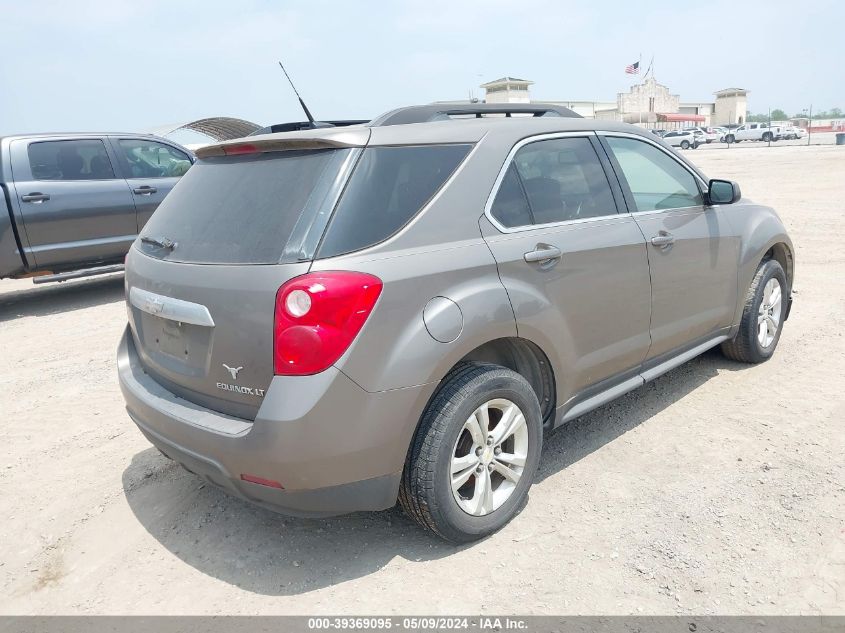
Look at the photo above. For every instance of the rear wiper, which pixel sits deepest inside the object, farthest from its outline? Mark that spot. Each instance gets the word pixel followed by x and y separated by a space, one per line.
pixel 161 242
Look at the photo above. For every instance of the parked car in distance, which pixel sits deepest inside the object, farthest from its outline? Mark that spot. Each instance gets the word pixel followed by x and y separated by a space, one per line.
pixel 754 132
pixel 329 320
pixel 707 133
pixel 700 137
pixel 720 132
pixel 683 139
pixel 792 132
pixel 72 204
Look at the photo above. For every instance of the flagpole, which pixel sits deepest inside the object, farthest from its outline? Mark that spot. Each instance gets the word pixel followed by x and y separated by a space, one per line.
pixel 640 65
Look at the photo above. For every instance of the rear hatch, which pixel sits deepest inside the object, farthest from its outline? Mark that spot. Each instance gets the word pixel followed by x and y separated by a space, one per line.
pixel 202 277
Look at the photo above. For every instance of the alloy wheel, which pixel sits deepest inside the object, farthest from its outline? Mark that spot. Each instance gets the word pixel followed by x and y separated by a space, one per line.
pixel 489 457
pixel 768 317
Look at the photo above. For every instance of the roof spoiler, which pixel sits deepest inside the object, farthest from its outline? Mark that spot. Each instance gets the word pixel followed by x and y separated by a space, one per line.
pixel 330 138
pixel 447 111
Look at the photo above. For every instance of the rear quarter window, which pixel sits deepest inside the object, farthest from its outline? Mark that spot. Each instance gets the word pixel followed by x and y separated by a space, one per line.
pixel 389 186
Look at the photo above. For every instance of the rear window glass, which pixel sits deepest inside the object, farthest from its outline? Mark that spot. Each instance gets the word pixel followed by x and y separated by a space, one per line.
pixel 387 189
pixel 253 209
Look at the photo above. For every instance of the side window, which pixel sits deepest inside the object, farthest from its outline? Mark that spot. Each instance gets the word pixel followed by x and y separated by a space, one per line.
pixel 389 186
pixel 510 208
pixel 562 180
pixel 657 181
pixel 148 159
pixel 70 160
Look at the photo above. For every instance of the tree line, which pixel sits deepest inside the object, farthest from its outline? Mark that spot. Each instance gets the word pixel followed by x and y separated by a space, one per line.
pixel 780 115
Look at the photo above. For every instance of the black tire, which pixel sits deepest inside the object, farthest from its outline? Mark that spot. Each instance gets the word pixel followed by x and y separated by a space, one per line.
pixel 745 347
pixel 425 493
pixel 767 137
pixel 730 138
pixel 684 144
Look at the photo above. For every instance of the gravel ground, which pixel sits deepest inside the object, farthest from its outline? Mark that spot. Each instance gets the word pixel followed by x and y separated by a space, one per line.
pixel 718 488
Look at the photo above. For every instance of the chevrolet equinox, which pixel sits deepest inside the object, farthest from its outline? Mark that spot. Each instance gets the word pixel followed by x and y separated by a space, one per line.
pixel 329 320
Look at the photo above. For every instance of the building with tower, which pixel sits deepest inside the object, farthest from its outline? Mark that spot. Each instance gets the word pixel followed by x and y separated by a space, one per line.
pixel 649 103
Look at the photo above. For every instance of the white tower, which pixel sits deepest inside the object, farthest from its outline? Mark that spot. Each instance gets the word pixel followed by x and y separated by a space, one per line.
pixel 507 90
pixel 731 106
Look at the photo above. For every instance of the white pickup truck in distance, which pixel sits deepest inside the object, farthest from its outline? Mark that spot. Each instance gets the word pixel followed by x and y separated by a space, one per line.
pixel 754 132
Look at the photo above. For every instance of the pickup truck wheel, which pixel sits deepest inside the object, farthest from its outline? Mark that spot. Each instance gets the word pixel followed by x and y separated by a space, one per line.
pixel 762 316
pixel 767 137
pixel 475 453
pixel 684 144
pixel 729 139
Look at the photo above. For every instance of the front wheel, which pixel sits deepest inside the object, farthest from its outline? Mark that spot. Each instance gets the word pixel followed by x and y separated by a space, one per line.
pixel 684 144
pixel 762 317
pixel 767 137
pixel 475 453
pixel 730 138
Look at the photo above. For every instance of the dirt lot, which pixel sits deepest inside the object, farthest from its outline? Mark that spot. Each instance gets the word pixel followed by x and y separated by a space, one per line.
pixel 719 488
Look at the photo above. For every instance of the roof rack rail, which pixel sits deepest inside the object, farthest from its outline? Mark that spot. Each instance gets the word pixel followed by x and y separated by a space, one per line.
pixel 295 126
pixel 446 111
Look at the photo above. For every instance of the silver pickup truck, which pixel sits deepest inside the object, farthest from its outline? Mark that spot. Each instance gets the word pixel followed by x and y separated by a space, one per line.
pixel 72 204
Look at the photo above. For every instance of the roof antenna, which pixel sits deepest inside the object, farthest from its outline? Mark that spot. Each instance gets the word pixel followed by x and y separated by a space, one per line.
pixel 301 102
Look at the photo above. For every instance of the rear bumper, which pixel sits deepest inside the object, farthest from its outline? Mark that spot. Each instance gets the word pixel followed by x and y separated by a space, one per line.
pixel 334 447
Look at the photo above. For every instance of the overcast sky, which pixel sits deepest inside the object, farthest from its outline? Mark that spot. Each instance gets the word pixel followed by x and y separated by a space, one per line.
pixel 132 66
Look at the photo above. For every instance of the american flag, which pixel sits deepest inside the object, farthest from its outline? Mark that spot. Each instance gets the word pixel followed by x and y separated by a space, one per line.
pixel 633 69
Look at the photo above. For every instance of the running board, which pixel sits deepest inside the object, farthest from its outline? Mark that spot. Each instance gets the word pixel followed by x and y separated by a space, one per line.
pixel 604 397
pixel 585 406
pixel 78 274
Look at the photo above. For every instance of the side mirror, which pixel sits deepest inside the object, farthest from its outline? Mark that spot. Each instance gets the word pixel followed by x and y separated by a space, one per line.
pixel 723 192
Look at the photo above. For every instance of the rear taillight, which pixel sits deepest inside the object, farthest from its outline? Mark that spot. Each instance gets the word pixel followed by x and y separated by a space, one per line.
pixel 318 315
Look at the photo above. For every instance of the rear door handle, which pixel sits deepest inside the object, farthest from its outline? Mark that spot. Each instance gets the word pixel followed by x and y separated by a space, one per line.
pixel 544 254
pixel 35 196
pixel 145 190
pixel 663 239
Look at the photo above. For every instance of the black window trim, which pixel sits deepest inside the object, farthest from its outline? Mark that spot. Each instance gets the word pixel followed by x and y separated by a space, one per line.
pixel 612 182
pixel 623 181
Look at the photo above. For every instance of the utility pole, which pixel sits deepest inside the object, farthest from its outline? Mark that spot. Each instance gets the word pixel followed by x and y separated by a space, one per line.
pixel 810 126
pixel 730 122
pixel 770 126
